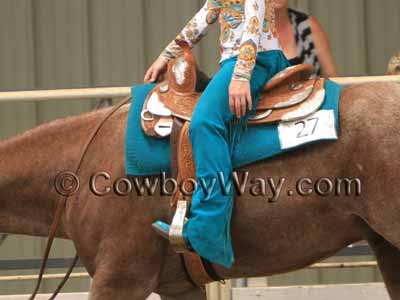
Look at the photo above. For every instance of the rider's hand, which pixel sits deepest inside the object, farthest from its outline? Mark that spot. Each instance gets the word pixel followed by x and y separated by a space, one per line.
pixel 156 71
pixel 239 96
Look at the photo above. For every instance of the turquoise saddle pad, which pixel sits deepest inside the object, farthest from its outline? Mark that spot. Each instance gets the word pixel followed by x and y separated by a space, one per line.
pixel 145 156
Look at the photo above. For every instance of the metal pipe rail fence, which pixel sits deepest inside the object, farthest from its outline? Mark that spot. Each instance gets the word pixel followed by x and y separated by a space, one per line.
pixel 370 291
pixel 116 92
pixel 255 289
pixel 342 265
pixel 238 289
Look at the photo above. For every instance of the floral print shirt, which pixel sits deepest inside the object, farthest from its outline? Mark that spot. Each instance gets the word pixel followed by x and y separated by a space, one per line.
pixel 247 27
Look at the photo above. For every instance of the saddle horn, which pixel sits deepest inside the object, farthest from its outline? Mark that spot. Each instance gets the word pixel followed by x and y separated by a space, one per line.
pixel 182 70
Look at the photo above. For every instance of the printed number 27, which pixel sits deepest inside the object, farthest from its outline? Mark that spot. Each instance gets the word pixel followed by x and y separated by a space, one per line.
pixel 307 127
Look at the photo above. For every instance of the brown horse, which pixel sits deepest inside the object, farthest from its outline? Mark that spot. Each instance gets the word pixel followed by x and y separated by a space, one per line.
pixel 127 260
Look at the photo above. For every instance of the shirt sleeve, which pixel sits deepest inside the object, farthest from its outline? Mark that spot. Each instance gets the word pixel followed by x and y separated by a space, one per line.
pixel 194 30
pixel 254 19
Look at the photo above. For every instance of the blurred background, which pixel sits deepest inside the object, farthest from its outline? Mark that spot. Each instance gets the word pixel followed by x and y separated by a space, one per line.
pixel 51 44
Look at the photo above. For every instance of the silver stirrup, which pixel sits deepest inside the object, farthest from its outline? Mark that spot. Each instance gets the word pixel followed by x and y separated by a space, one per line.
pixel 176 230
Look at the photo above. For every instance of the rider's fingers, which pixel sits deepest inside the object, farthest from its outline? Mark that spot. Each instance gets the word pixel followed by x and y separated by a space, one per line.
pixel 249 100
pixel 148 75
pixel 238 106
pixel 243 105
pixel 154 76
pixel 231 103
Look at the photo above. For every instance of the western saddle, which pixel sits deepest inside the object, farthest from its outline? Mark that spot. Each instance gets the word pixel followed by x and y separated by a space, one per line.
pixel 289 96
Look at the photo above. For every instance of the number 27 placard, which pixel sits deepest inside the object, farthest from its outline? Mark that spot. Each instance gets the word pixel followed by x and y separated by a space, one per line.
pixel 318 126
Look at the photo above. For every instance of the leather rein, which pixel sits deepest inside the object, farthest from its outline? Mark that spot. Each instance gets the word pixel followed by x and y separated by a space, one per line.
pixel 62 204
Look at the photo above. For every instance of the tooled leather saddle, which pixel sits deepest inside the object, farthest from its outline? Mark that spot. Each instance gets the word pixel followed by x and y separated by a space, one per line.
pixel 289 96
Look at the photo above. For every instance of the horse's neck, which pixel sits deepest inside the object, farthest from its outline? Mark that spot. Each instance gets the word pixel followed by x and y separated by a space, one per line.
pixel 26 203
pixel 29 164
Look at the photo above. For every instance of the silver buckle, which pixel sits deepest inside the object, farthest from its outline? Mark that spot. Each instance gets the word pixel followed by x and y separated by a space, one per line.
pixel 143 115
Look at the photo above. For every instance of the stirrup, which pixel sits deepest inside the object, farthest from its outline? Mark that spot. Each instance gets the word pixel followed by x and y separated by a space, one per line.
pixel 176 238
pixel 161 229
pixel 174 232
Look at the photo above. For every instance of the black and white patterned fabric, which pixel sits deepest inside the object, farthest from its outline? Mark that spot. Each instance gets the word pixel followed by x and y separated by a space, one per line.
pixel 306 52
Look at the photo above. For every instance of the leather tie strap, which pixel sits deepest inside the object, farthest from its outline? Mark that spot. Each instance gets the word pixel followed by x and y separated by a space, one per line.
pixel 61 206
pixel 199 271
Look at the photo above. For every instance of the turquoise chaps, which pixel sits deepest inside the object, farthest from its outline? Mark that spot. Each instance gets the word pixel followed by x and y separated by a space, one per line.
pixel 214 131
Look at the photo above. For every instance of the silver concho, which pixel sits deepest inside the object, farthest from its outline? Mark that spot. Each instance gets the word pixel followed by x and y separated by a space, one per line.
pixel 296 86
pixel 164 88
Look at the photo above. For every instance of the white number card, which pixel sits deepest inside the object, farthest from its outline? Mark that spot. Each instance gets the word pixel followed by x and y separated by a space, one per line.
pixel 318 126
